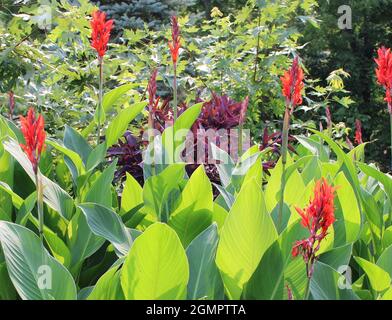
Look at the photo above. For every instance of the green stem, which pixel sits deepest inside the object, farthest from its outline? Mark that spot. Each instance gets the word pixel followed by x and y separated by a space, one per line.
pixel 100 61
pixel 240 141
pixel 285 138
pixel 151 140
pixel 174 107
pixel 307 290
pixel 175 94
pixel 40 207
pixel 390 122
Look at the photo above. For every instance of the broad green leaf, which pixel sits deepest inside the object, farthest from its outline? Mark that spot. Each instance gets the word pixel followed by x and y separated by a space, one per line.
pixel 26 208
pixel 267 282
pixel 295 187
pixel 99 115
pixel 194 212
pixel 295 277
pixel 55 244
pixel 387 295
pixel 348 215
pixel 120 123
pixel 385 260
pixel 54 196
pixel 96 156
pixel 384 179
pixel 219 215
pixel 132 195
pixel 387 237
pixel 315 147
pixel 161 190
pixel 110 98
pixel 325 283
pixel 17 201
pixel 225 166
pixel 100 191
pixel 247 233
pixel 204 278
pixel 108 286
pixel 378 277
pixel 72 155
pixel 81 241
pixel 7 290
pixel 106 223
pixel 156 267
pixel 337 257
pixel 74 141
pixel 174 137
pixel 35 274
pixel 347 164
pixel 6 172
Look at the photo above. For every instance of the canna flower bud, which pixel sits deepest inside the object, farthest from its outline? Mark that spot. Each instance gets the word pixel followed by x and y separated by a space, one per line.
pixel 152 90
pixel 100 33
pixel 358 132
pixel 34 134
pixel 174 45
pixel 292 83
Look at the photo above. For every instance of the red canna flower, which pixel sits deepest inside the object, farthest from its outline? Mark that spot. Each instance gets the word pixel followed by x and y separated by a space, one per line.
pixel 317 218
pixel 100 32
pixel 174 45
pixel 292 82
pixel 384 73
pixel 358 132
pixel 34 134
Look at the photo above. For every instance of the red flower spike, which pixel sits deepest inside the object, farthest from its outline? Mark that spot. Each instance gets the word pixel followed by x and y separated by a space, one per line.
pixel 152 90
pixel 317 218
pixel 292 83
pixel 358 132
pixel 34 134
pixel 100 33
pixel 384 73
pixel 174 45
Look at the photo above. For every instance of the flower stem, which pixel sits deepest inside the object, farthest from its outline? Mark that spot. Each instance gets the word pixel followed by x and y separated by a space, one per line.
pixel 240 141
pixel 307 290
pixel 285 138
pixel 174 107
pixel 390 122
pixel 175 94
pixel 100 61
pixel 40 206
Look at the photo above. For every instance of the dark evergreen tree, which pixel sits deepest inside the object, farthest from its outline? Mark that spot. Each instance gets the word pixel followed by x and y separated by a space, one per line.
pixel 132 14
pixel 330 48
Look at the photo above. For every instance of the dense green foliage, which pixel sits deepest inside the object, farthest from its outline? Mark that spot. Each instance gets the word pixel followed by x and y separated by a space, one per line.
pixel 354 50
pixel 174 236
